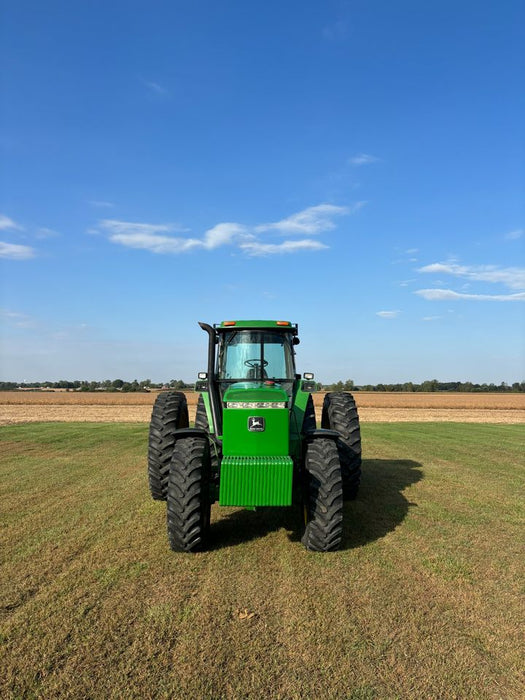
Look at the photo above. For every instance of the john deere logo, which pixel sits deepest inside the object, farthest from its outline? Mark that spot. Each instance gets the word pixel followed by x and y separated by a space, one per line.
pixel 256 424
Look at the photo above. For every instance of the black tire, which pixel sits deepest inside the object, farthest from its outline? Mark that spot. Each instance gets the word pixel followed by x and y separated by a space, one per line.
pixel 189 495
pixel 169 413
pixel 323 496
pixel 340 413
pixel 309 422
pixel 201 419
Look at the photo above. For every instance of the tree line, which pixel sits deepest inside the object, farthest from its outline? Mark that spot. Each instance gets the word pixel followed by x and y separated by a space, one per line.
pixel 430 385
pixel 145 385
pixel 106 385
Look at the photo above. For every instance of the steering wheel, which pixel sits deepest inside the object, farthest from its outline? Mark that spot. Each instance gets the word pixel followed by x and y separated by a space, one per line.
pixel 254 364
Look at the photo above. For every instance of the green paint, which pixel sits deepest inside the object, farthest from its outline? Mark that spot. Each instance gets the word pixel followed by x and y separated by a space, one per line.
pixel 296 419
pixel 256 481
pixel 259 324
pixel 238 440
pixel 247 391
pixel 207 406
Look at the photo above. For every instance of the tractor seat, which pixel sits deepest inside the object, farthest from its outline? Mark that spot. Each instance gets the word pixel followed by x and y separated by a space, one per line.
pixel 252 373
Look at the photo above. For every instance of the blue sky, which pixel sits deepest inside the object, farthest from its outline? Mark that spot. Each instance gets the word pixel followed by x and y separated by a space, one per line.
pixel 356 167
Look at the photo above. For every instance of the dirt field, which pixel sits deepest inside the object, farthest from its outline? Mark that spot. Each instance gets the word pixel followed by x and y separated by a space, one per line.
pixel 26 407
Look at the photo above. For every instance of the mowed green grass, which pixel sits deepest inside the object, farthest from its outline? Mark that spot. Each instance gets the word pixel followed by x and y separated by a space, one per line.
pixel 422 602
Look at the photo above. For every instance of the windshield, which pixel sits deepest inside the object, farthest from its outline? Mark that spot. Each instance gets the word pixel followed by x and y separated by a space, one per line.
pixel 256 355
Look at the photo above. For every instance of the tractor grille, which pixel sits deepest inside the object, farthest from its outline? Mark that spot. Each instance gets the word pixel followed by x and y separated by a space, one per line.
pixel 256 481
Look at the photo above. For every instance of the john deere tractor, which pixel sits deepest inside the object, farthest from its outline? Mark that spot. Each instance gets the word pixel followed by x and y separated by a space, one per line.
pixel 255 441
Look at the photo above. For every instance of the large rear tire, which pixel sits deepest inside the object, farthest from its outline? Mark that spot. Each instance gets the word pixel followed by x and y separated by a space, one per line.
pixel 323 496
pixel 189 495
pixel 340 413
pixel 170 412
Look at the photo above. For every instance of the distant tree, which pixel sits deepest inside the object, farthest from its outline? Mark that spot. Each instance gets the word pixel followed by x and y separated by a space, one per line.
pixel 117 383
pixel 177 384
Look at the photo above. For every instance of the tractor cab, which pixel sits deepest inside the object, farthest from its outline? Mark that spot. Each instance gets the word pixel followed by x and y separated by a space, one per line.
pixel 251 357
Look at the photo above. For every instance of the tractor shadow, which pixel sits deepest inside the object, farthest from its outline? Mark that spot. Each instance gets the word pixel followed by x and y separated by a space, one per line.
pixel 379 508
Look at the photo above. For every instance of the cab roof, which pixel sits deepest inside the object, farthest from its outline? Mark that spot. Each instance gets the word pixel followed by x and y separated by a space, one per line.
pixel 255 325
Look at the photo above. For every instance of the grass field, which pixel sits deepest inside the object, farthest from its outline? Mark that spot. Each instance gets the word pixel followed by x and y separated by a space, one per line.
pixel 422 602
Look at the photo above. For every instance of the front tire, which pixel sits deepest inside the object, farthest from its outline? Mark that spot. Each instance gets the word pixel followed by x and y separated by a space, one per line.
pixel 189 495
pixel 340 413
pixel 170 412
pixel 323 496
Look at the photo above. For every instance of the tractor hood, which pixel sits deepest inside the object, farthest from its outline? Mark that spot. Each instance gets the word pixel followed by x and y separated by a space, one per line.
pixel 255 393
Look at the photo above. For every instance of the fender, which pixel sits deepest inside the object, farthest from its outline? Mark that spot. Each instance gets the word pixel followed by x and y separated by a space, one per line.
pixel 319 433
pixel 190 432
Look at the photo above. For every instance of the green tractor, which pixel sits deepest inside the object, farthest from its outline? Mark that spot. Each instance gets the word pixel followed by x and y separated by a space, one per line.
pixel 255 441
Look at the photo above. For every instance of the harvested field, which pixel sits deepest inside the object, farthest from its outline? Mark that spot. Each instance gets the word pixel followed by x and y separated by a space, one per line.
pixel 365 399
pixel 28 407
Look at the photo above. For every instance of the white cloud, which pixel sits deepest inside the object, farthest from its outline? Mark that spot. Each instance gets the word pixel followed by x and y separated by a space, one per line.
pixel 160 238
pixel 152 236
pixel 388 314
pixel 431 318
pixel 223 234
pixel 449 295
pixel 514 235
pixel 7 224
pixel 309 221
pixel 255 248
pixel 364 159
pixel 512 277
pixel 11 251
pixel 115 226
pixel 154 242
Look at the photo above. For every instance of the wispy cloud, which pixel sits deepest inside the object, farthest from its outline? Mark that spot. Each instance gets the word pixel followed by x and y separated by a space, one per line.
pixel 336 31
pixel 43 233
pixel 309 221
pixel 364 159
pixel 254 248
pixel 449 295
pixel 512 277
pixel 167 239
pixel 431 318
pixel 152 236
pixel 7 224
pixel 16 319
pixel 514 235
pixel 155 87
pixel 11 251
pixel 101 204
pixel 388 314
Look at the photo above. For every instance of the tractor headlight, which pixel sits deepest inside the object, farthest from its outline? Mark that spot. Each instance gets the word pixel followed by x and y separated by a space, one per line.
pixel 256 404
